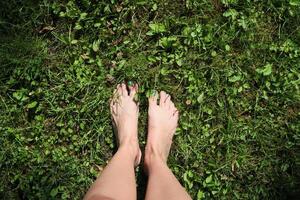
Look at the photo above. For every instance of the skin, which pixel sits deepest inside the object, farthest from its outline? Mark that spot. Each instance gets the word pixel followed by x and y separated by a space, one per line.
pixel 117 181
pixel 163 119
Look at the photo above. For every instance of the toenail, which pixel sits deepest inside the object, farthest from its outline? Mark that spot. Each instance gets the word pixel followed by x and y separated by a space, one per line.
pixel 153 93
pixel 130 83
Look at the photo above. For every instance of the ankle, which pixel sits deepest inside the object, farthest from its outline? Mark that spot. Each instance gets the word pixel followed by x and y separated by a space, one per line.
pixel 129 141
pixel 131 149
pixel 153 157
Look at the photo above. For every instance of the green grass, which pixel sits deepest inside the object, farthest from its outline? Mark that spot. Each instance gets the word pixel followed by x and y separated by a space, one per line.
pixel 231 66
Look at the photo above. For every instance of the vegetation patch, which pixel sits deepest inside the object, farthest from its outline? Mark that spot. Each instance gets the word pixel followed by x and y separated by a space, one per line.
pixel 231 66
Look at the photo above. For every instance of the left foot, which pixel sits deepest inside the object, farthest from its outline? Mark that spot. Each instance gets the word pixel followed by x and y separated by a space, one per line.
pixel 162 124
pixel 125 113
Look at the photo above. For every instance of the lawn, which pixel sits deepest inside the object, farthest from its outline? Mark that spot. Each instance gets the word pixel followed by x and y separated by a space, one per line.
pixel 231 66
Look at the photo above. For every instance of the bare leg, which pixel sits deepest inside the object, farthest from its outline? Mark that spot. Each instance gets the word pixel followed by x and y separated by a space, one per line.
pixel 117 180
pixel 163 118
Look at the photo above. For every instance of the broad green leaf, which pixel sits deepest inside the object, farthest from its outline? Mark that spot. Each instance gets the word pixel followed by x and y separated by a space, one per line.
pixel 32 104
pixel 83 16
pixel 179 62
pixel 154 7
pixel 235 78
pixel 167 42
pixel 157 28
pixel 96 45
pixel 163 42
pixel 208 179
pixel 97 24
pixel 200 98
pixel 266 70
pixel 231 13
pixel 213 53
pixel 77 26
pixel 74 41
pixel 54 192
pixel 227 47
pixel 164 71
pixel 200 195
pixel 242 22
pixel 295 2
pixel 186 31
pixel 18 95
pixel 60 124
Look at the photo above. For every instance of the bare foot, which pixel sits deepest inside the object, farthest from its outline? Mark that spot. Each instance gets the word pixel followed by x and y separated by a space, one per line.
pixel 162 125
pixel 125 113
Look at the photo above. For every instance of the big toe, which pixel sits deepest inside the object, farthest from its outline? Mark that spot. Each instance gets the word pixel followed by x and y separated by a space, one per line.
pixel 165 101
pixel 133 90
pixel 124 89
pixel 118 91
pixel 153 99
pixel 162 98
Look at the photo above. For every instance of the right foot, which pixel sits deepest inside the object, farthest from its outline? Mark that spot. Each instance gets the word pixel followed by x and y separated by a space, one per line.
pixel 162 123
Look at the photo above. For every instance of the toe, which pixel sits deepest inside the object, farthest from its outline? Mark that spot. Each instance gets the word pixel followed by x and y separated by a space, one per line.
pixel 153 99
pixel 119 90
pixel 168 101
pixel 124 89
pixel 133 90
pixel 162 98
pixel 113 107
pixel 114 94
pixel 176 114
pixel 172 106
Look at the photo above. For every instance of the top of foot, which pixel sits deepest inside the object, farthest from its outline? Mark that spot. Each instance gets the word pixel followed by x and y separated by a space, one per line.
pixel 162 123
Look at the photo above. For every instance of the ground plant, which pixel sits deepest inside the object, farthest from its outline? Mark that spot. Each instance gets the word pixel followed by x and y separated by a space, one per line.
pixel 231 66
